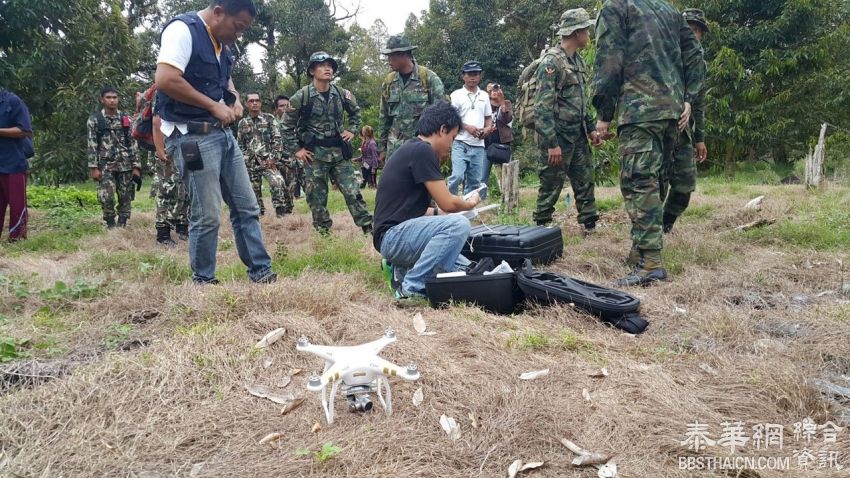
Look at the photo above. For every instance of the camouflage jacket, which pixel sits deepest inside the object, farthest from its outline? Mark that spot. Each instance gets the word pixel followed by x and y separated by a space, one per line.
pixel 560 102
pixel 259 139
pixel 325 120
pixel 113 149
pixel 402 104
pixel 645 50
pixel 283 156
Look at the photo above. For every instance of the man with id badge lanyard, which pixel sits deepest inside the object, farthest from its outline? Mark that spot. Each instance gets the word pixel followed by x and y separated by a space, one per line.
pixel 196 102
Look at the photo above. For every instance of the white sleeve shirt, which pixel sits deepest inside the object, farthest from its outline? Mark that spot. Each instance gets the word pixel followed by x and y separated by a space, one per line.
pixel 473 109
pixel 176 50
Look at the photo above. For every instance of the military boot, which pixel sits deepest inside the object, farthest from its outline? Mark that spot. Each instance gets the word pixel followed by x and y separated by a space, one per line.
pixel 280 211
pixel 163 236
pixel 182 231
pixel 110 222
pixel 589 228
pixel 649 271
pixel 634 257
pixel 122 221
pixel 667 222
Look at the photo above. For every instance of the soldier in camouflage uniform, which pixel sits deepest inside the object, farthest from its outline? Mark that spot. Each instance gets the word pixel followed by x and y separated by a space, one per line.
pixel 405 92
pixel 290 169
pixel 563 123
pixel 113 158
pixel 259 140
pixel 649 66
pixel 680 178
pixel 313 133
pixel 172 199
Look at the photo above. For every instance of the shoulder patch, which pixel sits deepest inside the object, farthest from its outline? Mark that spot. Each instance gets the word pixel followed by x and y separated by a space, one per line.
pixel 348 95
pixel 550 70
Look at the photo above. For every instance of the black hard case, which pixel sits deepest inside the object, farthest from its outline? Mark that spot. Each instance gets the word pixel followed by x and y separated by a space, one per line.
pixel 497 293
pixel 514 244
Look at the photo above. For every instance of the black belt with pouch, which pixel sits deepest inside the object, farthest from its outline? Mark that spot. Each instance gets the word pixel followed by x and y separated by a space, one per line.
pixel 347 150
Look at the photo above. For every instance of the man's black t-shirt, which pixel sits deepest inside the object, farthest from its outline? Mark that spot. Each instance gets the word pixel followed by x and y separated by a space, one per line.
pixel 401 192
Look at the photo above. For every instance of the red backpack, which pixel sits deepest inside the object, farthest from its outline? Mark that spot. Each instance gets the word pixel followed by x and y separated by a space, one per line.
pixel 142 129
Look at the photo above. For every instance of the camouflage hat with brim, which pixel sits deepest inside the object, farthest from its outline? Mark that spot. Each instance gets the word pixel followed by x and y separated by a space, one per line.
pixel 695 15
pixel 397 44
pixel 572 20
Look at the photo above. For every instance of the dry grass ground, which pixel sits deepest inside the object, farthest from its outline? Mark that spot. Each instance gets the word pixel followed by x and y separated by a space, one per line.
pixel 157 367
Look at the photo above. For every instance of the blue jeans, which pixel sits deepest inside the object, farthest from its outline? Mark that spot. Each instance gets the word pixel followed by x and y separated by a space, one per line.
pixel 422 247
pixel 485 176
pixel 223 177
pixel 467 163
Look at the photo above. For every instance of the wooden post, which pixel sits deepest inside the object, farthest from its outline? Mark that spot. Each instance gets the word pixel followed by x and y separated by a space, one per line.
pixel 814 161
pixel 509 185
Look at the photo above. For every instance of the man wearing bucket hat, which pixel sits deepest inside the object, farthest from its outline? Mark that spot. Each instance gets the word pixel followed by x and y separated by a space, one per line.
pixel 649 68
pixel 407 90
pixel 313 133
pixel 681 177
pixel 563 123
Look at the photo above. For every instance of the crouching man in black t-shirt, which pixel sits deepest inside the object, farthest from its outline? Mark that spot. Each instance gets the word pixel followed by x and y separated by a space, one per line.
pixel 418 240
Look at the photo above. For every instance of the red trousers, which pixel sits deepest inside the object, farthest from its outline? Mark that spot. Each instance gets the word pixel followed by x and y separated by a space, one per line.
pixel 13 192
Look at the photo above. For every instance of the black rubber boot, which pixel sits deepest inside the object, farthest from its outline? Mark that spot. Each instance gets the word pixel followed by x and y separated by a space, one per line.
pixel 367 229
pixel 667 222
pixel 110 223
pixel 280 211
pixel 163 236
pixel 122 221
pixel 182 231
pixel 589 228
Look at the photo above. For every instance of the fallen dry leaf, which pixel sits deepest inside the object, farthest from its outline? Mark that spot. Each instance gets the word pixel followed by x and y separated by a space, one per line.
pixel 574 448
pixel 608 470
pixel 708 369
pixel 284 382
pixel 534 375
pixel 419 324
pixel 473 419
pixel 316 428
pixel 585 457
pixel 295 371
pixel 271 437
pixel 291 406
pixel 586 395
pixel 262 391
pixel 602 373
pixel 270 338
pixel 450 426
pixel 514 468
pixel 196 469
pixel 418 396
pixel 268 362
pixel 531 466
pixel 755 203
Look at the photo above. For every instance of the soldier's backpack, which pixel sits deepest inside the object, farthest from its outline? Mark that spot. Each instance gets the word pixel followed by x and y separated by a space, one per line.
pixel 142 130
pixel 103 127
pixel 527 87
pixel 423 78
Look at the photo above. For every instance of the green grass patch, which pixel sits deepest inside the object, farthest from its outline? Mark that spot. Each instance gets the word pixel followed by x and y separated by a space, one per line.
pixel 59 230
pixel 336 202
pixel 700 212
pixel 45 197
pixel 47 319
pixel 609 204
pixel 133 265
pixel 821 223
pixel 679 255
pixel 11 349
pixel 116 335
pixel 330 254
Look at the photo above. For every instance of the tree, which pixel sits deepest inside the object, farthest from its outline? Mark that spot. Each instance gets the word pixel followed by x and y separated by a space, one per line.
pixel 56 55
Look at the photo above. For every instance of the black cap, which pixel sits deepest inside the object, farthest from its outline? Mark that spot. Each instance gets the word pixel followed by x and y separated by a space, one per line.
pixel 471 66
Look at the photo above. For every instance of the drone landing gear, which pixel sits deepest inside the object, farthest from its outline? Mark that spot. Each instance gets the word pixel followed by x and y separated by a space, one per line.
pixel 358 397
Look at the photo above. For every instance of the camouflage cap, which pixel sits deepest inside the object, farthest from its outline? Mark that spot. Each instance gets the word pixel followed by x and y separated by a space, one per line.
pixel 321 57
pixel 397 44
pixel 572 20
pixel 695 15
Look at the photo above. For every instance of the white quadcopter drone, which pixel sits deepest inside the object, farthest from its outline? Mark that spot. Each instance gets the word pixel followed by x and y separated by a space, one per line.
pixel 357 371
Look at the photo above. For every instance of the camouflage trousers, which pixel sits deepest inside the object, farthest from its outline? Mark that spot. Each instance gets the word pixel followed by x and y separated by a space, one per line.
pixel 299 180
pixel 172 201
pixel 277 185
pixel 341 172
pixel 114 183
pixel 577 165
pixel 288 171
pixel 679 177
pixel 644 149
